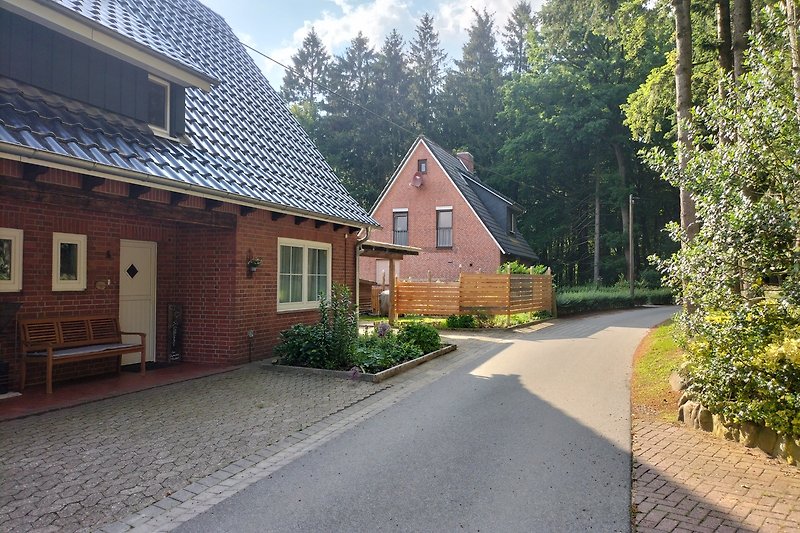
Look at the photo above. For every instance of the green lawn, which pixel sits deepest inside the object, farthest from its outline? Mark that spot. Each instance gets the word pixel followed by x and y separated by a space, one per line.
pixel 657 357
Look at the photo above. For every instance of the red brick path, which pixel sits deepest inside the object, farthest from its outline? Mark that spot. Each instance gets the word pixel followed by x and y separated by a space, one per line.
pixel 688 480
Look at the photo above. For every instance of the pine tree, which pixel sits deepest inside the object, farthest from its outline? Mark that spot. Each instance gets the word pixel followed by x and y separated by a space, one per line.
pixel 515 38
pixel 309 68
pixel 473 94
pixel 426 60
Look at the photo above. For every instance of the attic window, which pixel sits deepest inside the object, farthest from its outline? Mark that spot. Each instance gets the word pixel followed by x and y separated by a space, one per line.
pixel 422 165
pixel 158 105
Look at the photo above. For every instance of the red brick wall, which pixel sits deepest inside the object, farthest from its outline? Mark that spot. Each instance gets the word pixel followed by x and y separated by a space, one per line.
pixel 201 267
pixel 257 294
pixel 473 248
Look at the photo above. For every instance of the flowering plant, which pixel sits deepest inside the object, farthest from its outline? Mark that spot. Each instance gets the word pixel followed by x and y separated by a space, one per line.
pixel 254 262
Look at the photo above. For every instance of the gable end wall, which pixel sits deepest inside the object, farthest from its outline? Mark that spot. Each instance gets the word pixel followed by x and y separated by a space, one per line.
pixel 473 248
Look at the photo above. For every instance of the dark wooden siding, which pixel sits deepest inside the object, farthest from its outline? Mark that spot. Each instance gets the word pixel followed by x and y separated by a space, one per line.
pixel 41 57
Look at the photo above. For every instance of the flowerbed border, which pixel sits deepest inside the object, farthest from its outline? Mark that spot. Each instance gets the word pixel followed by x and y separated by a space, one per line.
pixel 365 376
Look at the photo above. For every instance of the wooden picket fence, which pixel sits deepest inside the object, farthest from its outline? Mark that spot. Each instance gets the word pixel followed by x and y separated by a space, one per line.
pixel 491 294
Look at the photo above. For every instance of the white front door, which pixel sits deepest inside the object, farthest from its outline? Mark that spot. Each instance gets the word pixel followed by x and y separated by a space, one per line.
pixel 137 295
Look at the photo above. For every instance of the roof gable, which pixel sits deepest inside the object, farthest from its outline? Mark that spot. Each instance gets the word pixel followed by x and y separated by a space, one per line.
pixel 241 142
pixel 472 189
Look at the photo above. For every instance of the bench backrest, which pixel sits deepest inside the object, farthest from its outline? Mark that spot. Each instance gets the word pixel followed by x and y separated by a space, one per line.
pixel 67 332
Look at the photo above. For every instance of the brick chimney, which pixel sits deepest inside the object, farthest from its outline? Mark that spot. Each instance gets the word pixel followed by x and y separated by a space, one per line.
pixel 467 159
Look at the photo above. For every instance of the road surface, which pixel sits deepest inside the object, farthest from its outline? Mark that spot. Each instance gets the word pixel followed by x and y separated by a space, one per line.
pixel 531 434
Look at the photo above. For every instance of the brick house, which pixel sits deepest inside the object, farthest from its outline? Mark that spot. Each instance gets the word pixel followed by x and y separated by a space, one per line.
pixel 144 159
pixel 435 202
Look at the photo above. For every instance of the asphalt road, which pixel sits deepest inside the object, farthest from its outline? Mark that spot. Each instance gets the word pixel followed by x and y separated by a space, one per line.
pixel 532 436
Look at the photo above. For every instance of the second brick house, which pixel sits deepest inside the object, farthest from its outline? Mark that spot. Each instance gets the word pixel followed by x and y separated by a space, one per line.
pixel 436 202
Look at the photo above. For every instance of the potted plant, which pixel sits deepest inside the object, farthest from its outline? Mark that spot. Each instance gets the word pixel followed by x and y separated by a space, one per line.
pixel 253 263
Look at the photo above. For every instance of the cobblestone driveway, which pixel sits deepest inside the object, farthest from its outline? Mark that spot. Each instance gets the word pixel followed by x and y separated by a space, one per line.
pixel 69 469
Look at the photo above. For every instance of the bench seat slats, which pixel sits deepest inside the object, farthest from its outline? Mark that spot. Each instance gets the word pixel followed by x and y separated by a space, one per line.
pixel 83 349
pixel 65 339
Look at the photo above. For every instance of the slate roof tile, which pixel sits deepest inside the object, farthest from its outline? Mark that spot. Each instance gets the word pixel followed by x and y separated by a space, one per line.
pixel 466 182
pixel 240 136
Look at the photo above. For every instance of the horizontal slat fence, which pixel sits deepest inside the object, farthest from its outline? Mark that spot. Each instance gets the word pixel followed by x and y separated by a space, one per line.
pixel 426 298
pixel 492 294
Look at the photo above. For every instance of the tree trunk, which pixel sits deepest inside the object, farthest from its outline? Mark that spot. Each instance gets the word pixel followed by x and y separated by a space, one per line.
pixel 742 22
pixel 791 28
pixel 622 169
pixel 725 42
pixel 683 107
pixel 597 231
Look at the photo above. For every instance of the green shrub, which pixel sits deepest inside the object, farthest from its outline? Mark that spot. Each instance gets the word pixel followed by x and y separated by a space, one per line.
pixel 745 365
pixel 423 336
pixel 301 346
pixel 461 322
pixel 339 321
pixel 585 299
pixel 327 344
pixel 375 353
pixel 515 267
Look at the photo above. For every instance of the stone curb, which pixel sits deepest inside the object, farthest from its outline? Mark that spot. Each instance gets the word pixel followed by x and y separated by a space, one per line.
pixel 372 378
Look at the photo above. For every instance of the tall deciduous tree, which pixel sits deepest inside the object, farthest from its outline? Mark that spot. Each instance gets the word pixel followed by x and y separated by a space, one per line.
pixel 683 106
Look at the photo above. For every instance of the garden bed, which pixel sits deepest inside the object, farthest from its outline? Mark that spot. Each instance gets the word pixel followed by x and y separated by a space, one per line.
pixel 365 376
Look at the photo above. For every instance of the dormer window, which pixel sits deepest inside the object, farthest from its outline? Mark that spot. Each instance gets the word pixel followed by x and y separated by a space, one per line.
pixel 422 166
pixel 158 105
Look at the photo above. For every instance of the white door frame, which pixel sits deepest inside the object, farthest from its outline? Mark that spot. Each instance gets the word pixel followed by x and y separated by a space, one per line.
pixel 151 333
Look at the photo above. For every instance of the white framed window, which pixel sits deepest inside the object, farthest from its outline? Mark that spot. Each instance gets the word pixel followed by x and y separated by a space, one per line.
pixel 304 274
pixel 158 105
pixel 444 227
pixel 10 260
pixel 69 262
pixel 400 227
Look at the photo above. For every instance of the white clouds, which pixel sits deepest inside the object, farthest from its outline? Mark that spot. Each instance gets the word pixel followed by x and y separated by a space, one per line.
pixel 341 20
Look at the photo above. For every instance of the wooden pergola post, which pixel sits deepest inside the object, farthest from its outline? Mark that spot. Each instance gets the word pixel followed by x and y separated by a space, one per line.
pixel 392 284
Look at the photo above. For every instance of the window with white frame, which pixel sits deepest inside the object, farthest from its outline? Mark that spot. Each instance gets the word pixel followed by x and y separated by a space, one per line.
pixel 400 227
pixel 10 260
pixel 158 105
pixel 304 273
pixel 444 227
pixel 69 262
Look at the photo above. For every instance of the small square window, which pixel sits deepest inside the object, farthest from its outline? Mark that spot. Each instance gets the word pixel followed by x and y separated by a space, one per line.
pixel 10 260
pixel 422 166
pixel 69 262
pixel 158 105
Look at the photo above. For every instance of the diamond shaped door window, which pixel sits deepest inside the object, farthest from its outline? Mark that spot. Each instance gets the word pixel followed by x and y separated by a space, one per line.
pixel 132 271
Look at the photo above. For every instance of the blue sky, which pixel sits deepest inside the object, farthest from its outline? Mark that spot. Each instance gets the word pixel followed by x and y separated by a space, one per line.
pixel 278 28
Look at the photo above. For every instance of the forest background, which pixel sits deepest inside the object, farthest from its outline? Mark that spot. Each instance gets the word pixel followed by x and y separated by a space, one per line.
pixel 539 100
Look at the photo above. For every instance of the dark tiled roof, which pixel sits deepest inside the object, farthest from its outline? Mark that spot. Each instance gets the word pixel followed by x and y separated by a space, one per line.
pixel 240 137
pixel 468 184
pixel 129 18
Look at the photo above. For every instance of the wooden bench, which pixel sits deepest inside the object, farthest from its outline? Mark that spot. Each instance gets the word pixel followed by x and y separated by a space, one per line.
pixel 54 341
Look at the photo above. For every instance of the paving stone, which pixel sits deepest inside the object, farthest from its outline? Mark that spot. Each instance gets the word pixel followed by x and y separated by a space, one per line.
pixel 691 475
pixel 116 460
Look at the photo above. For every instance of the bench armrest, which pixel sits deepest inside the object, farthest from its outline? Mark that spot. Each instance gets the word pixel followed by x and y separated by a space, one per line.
pixel 141 335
